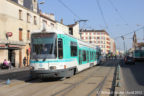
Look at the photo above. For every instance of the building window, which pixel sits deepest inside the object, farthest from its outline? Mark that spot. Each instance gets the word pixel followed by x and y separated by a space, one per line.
pixel 28 34
pixel 35 20
pixel 71 31
pixel 73 47
pixel 98 38
pixel 44 22
pixel 20 34
pixel 20 14
pixel 28 17
pixel 52 24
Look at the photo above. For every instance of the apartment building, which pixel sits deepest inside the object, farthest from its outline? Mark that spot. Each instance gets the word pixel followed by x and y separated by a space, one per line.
pixel 112 46
pixel 51 25
pixel 74 30
pixel 17 19
pixel 97 37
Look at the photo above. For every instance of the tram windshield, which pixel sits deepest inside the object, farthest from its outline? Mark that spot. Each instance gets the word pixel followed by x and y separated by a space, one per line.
pixel 44 46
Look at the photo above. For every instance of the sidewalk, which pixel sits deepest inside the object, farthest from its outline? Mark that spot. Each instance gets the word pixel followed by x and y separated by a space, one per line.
pixel 20 74
pixel 6 71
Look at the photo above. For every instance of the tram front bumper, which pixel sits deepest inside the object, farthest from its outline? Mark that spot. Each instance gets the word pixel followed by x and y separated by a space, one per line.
pixel 50 73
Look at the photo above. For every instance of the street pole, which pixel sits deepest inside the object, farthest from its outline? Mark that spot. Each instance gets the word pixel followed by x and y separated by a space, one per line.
pixel 123 43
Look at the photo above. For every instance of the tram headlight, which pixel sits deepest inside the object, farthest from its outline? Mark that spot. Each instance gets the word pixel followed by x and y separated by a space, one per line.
pixel 52 67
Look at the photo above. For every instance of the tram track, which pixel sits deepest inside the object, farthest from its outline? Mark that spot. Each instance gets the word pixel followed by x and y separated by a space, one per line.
pixel 68 89
pixel 62 88
pixel 99 88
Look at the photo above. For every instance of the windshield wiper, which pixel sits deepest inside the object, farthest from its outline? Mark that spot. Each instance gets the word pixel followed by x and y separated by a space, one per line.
pixel 44 59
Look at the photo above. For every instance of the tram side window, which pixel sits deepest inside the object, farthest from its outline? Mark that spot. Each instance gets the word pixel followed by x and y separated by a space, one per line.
pixel 87 56
pixel 73 47
pixel 90 55
pixel 84 55
pixel 55 50
pixel 80 57
pixel 95 55
pixel 60 48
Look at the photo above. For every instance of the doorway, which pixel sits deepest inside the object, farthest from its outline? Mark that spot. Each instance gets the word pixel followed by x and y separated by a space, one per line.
pixel 11 56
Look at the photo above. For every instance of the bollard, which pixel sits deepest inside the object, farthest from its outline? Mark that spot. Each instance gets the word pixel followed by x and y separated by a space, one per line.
pixel 118 95
pixel 118 67
pixel 8 82
pixel 118 84
pixel 118 76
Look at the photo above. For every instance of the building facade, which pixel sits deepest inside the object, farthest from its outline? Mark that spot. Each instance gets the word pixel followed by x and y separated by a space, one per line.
pixel 97 37
pixel 112 46
pixel 18 18
pixel 74 30
pixel 17 21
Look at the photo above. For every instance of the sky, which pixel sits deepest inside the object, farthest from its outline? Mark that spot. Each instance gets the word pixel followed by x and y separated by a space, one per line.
pixel 117 17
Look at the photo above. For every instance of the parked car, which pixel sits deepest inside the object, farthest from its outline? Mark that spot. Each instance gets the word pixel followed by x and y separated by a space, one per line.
pixel 129 60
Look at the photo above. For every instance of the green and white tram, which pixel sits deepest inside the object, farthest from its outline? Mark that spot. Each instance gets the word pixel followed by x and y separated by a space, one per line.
pixel 60 55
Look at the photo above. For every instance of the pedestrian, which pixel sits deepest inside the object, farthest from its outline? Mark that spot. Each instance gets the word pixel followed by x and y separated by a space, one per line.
pixel 6 64
pixel 24 61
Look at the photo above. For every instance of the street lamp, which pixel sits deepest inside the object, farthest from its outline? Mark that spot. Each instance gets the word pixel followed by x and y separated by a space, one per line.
pixel 42 2
pixel 80 28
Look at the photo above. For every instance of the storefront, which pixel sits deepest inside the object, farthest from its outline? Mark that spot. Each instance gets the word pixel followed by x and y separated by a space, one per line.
pixel 12 52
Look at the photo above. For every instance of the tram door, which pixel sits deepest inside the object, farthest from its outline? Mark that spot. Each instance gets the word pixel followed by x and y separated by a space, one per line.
pixel 11 56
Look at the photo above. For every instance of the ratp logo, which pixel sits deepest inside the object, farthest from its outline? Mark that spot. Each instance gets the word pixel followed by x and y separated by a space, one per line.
pixel 40 65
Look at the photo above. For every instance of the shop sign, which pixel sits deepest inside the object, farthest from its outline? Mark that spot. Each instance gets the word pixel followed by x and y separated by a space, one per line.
pixel 13 46
pixel 9 34
pixel 2 45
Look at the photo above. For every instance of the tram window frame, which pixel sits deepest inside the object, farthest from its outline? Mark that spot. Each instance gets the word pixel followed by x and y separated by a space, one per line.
pixel 73 48
pixel 60 48
pixel 84 55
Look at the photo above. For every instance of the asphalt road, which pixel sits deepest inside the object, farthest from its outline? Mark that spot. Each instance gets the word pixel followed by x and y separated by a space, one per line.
pixel 87 83
pixel 133 76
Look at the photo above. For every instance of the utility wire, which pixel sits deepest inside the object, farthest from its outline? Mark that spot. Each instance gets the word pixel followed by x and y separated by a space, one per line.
pixel 69 9
pixel 72 12
pixel 130 32
pixel 117 11
pixel 101 11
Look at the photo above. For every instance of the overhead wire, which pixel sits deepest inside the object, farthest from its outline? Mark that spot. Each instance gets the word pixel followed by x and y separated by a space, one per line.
pixel 102 14
pixel 72 12
pixel 69 9
pixel 130 32
pixel 119 14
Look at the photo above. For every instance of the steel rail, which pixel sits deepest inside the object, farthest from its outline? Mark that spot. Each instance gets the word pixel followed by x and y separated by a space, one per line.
pixel 69 88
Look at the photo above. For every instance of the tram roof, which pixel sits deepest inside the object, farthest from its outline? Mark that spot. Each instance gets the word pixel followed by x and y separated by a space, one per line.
pixel 60 32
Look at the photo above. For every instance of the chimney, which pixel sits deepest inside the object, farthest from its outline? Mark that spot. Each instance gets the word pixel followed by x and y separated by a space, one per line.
pixel 76 22
pixel 61 21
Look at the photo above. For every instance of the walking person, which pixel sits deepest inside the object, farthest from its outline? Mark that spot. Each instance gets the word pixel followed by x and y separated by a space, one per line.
pixel 24 61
